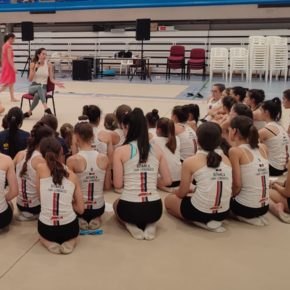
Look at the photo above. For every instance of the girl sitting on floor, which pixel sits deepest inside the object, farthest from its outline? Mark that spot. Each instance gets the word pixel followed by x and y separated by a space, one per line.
pixel 209 204
pixel 249 159
pixel 60 196
pixel 136 166
pixel 90 167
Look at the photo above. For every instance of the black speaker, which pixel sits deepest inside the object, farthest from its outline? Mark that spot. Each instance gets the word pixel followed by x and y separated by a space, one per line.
pixel 27 31
pixel 143 29
pixel 82 70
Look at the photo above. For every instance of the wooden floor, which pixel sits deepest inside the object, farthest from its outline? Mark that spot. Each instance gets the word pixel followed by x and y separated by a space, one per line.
pixel 181 257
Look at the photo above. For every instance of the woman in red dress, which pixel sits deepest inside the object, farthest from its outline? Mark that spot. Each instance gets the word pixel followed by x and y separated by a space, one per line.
pixel 8 74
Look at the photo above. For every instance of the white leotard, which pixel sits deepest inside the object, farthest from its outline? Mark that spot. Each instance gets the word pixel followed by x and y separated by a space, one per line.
pixel 278 147
pixel 92 181
pixel 188 142
pixel 56 202
pixel 173 159
pixel 3 202
pixel 255 180
pixel 27 184
pixel 140 180
pixel 213 188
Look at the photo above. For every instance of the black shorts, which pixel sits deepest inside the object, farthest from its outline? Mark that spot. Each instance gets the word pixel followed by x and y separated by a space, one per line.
pixel 190 213
pixel 276 172
pixel 32 210
pixel 247 212
pixel 139 213
pixel 174 184
pixel 91 214
pixel 6 217
pixel 288 202
pixel 59 234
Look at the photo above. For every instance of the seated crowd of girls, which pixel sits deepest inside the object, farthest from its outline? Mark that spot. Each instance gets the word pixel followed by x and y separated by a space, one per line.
pixel 209 167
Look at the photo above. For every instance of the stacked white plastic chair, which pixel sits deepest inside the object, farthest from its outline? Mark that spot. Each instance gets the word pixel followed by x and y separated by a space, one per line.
pixel 219 61
pixel 239 61
pixel 278 56
pixel 258 56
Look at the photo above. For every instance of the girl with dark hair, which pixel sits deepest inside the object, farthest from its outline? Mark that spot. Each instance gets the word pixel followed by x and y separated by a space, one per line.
pixel 193 115
pixel 152 118
pixel 61 198
pixel 110 122
pixel 13 139
pixel 67 134
pixel 40 71
pixel 227 103
pixel 139 167
pixel 209 204
pixel 118 136
pixel 254 99
pixel 7 172
pixel 280 198
pixel 187 136
pixel 170 146
pixel 8 73
pixel 90 167
pixel 26 162
pixel 275 137
pixel 249 159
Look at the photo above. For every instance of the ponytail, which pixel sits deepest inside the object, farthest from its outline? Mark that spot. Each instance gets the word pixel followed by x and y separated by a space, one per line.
pixel 56 168
pixel 274 108
pixel 253 137
pixel 171 143
pixel 213 159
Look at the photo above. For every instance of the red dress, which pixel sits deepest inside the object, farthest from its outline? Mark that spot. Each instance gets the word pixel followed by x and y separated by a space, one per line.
pixel 8 76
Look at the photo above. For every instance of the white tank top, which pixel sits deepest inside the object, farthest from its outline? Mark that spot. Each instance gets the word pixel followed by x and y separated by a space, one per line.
pixel 152 131
pixel 27 184
pixel 98 145
pixel 212 105
pixel 3 202
pixel 213 188
pixel 140 179
pixel 41 75
pixel 278 147
pixel 92 181
pixel 259 124
pixel 255 180
pixel 56 202
pixel 121 134
pixel 173 160
pixel 188 142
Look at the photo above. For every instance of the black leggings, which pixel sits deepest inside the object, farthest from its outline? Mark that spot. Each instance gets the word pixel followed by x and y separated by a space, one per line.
pixel 139 213
pixel 90 214
pixel 6 217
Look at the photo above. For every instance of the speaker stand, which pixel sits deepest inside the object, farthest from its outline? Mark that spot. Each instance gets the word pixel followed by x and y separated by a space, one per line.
pixel 144 72
pixel 28 61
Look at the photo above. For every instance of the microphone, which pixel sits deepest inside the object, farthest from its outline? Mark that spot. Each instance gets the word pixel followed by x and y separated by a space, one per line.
pixel 37 67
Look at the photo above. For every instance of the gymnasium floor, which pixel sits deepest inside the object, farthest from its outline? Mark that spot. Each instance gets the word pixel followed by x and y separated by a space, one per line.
pixel 181 257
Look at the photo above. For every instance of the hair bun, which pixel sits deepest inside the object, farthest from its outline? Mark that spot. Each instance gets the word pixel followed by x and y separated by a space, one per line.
pixel 83 118
pixel 276 101
pixel 155 112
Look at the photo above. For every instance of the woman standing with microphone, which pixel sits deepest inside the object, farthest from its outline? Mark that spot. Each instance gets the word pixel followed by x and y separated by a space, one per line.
pixel 8 74
pixel 40 71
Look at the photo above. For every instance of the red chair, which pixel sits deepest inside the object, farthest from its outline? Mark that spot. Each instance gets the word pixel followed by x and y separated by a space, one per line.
pixel 196 61
pixel 49 95
pixel 176 60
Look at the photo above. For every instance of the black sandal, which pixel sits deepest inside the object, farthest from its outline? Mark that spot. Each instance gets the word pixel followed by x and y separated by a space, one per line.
pixel 48 111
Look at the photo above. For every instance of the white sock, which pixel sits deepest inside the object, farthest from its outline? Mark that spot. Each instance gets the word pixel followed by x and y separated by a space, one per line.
pixel 211 226
pixel 265 220
pixel 150 231
pixel 253 221
pixel 136 233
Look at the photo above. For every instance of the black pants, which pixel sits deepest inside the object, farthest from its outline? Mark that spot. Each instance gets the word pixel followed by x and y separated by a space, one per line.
pixel 247 212
pixel 59 234
pixel 91 214
pixel 276 172
pixel 139 213
pixel 190 213
pixel 32 210
pixel 6 217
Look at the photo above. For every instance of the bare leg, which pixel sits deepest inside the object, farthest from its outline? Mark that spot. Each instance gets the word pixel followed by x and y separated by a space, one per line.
pixel 68 246
pixel 12 97
pixel 172 205
pixel 51 246
pixel 278 206
pixel 3 88
pixel 137 233
pixel 2 109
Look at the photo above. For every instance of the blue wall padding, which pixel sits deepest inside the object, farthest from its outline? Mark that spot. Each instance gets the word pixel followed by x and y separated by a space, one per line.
pixel 119 4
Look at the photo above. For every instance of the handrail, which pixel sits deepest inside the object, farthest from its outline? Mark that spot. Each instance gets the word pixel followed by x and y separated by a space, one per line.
pixel 119 4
